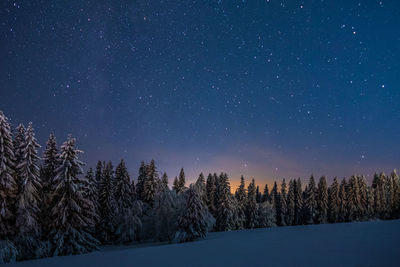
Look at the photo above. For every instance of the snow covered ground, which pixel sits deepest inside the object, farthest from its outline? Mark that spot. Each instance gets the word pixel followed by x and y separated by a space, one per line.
pixel 347 244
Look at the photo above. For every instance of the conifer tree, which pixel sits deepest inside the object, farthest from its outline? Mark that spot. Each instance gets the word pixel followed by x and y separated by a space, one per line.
pixel 166 210
pixel 241 197
pixel 370 212
pixel 72 214
pixel 133 190
pixel 265 194
pixel 334 202
pixel 181 181
pixel 90 193
pixel 291 204
pixel 353 200
pixel 251 206
pixel 28 199
pixel 363 191
pixel 127 220
pixel 310 202
pixel 99 173
pixel 48 172
pixel 342 201
pixel 274 193
pixel 389 197
pixel 19 139
pixel 150 184
pixel 258 194
pixel 282 205
pixel 210 191
pixel 201 188
pixel 265 215
pixel 175 185
pixel 322 201
pixel 224 213
pixel 298 202
pixel 193 224
pixel 122 188
pixel 396 193
pixel 164 181
pixel 216 193
pixel 140 181
pixel 107 206
pixel 238 222
pixel 8 190
pixel 274 197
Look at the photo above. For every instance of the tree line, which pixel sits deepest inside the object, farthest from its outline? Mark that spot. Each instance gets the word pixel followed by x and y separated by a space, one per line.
pixel 49 207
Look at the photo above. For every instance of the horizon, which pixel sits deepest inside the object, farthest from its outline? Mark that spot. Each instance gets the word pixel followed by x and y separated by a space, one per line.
pixel 191 177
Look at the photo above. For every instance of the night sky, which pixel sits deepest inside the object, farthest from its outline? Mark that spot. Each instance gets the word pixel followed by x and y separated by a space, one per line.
pixel 268 89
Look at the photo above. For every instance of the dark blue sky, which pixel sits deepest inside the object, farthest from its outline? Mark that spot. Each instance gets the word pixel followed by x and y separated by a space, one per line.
pixel 269 89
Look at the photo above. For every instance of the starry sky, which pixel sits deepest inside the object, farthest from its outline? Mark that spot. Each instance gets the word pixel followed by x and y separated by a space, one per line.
pixel 268 89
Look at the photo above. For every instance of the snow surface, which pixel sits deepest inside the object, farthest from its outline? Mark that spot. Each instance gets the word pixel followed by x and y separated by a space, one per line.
pixel 345 244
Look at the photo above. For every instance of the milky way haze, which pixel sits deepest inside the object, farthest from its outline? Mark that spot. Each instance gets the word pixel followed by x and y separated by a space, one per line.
pixel 268 89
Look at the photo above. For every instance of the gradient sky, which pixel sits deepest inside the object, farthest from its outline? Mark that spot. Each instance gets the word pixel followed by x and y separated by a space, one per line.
pixel 268 89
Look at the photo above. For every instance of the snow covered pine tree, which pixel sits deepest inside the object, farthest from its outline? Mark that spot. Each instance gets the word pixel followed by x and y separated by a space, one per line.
pixel 193 224
pixel 72 213
pixel 8 190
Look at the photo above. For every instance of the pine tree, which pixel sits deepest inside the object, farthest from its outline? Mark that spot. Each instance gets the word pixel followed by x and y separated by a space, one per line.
pixel 48 172
pixel 201 188
pixel 133 191
pixel 19 139
pixel 241 197
pixel 224 213
pixel 193 224
pixel 210 192
pixel 140 181
pixel 353 200
pixel 166 210
pixel 291 203
pixel 298 214
pixel 122 189
pixel 216 193
pixel 99 173
pixel 8 190
pixel 396 193
pixel 282 206
pixel 258 194
pixel 72 214
pixel 274 193
pixel 342 201
pixel 266 194
pixel 310 202
pixel 251 207
pixel 274 197
pixel 265 215
pixel 238 221
pixel 127 221
pixel 363 191
pixel 334 202
pixel 175 185
pixel 322 201
pixel 370 212
pixel 150 184
pixel 389 197
pixel 164 181
pixel 107 206
pixel 28 199
pixel 90 193
pixel 181 181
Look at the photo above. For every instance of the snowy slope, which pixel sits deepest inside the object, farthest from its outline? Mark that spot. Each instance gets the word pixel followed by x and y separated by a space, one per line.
pixel 347 244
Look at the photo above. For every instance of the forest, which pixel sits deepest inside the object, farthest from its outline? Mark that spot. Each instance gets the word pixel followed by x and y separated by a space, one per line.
pixel 50 206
